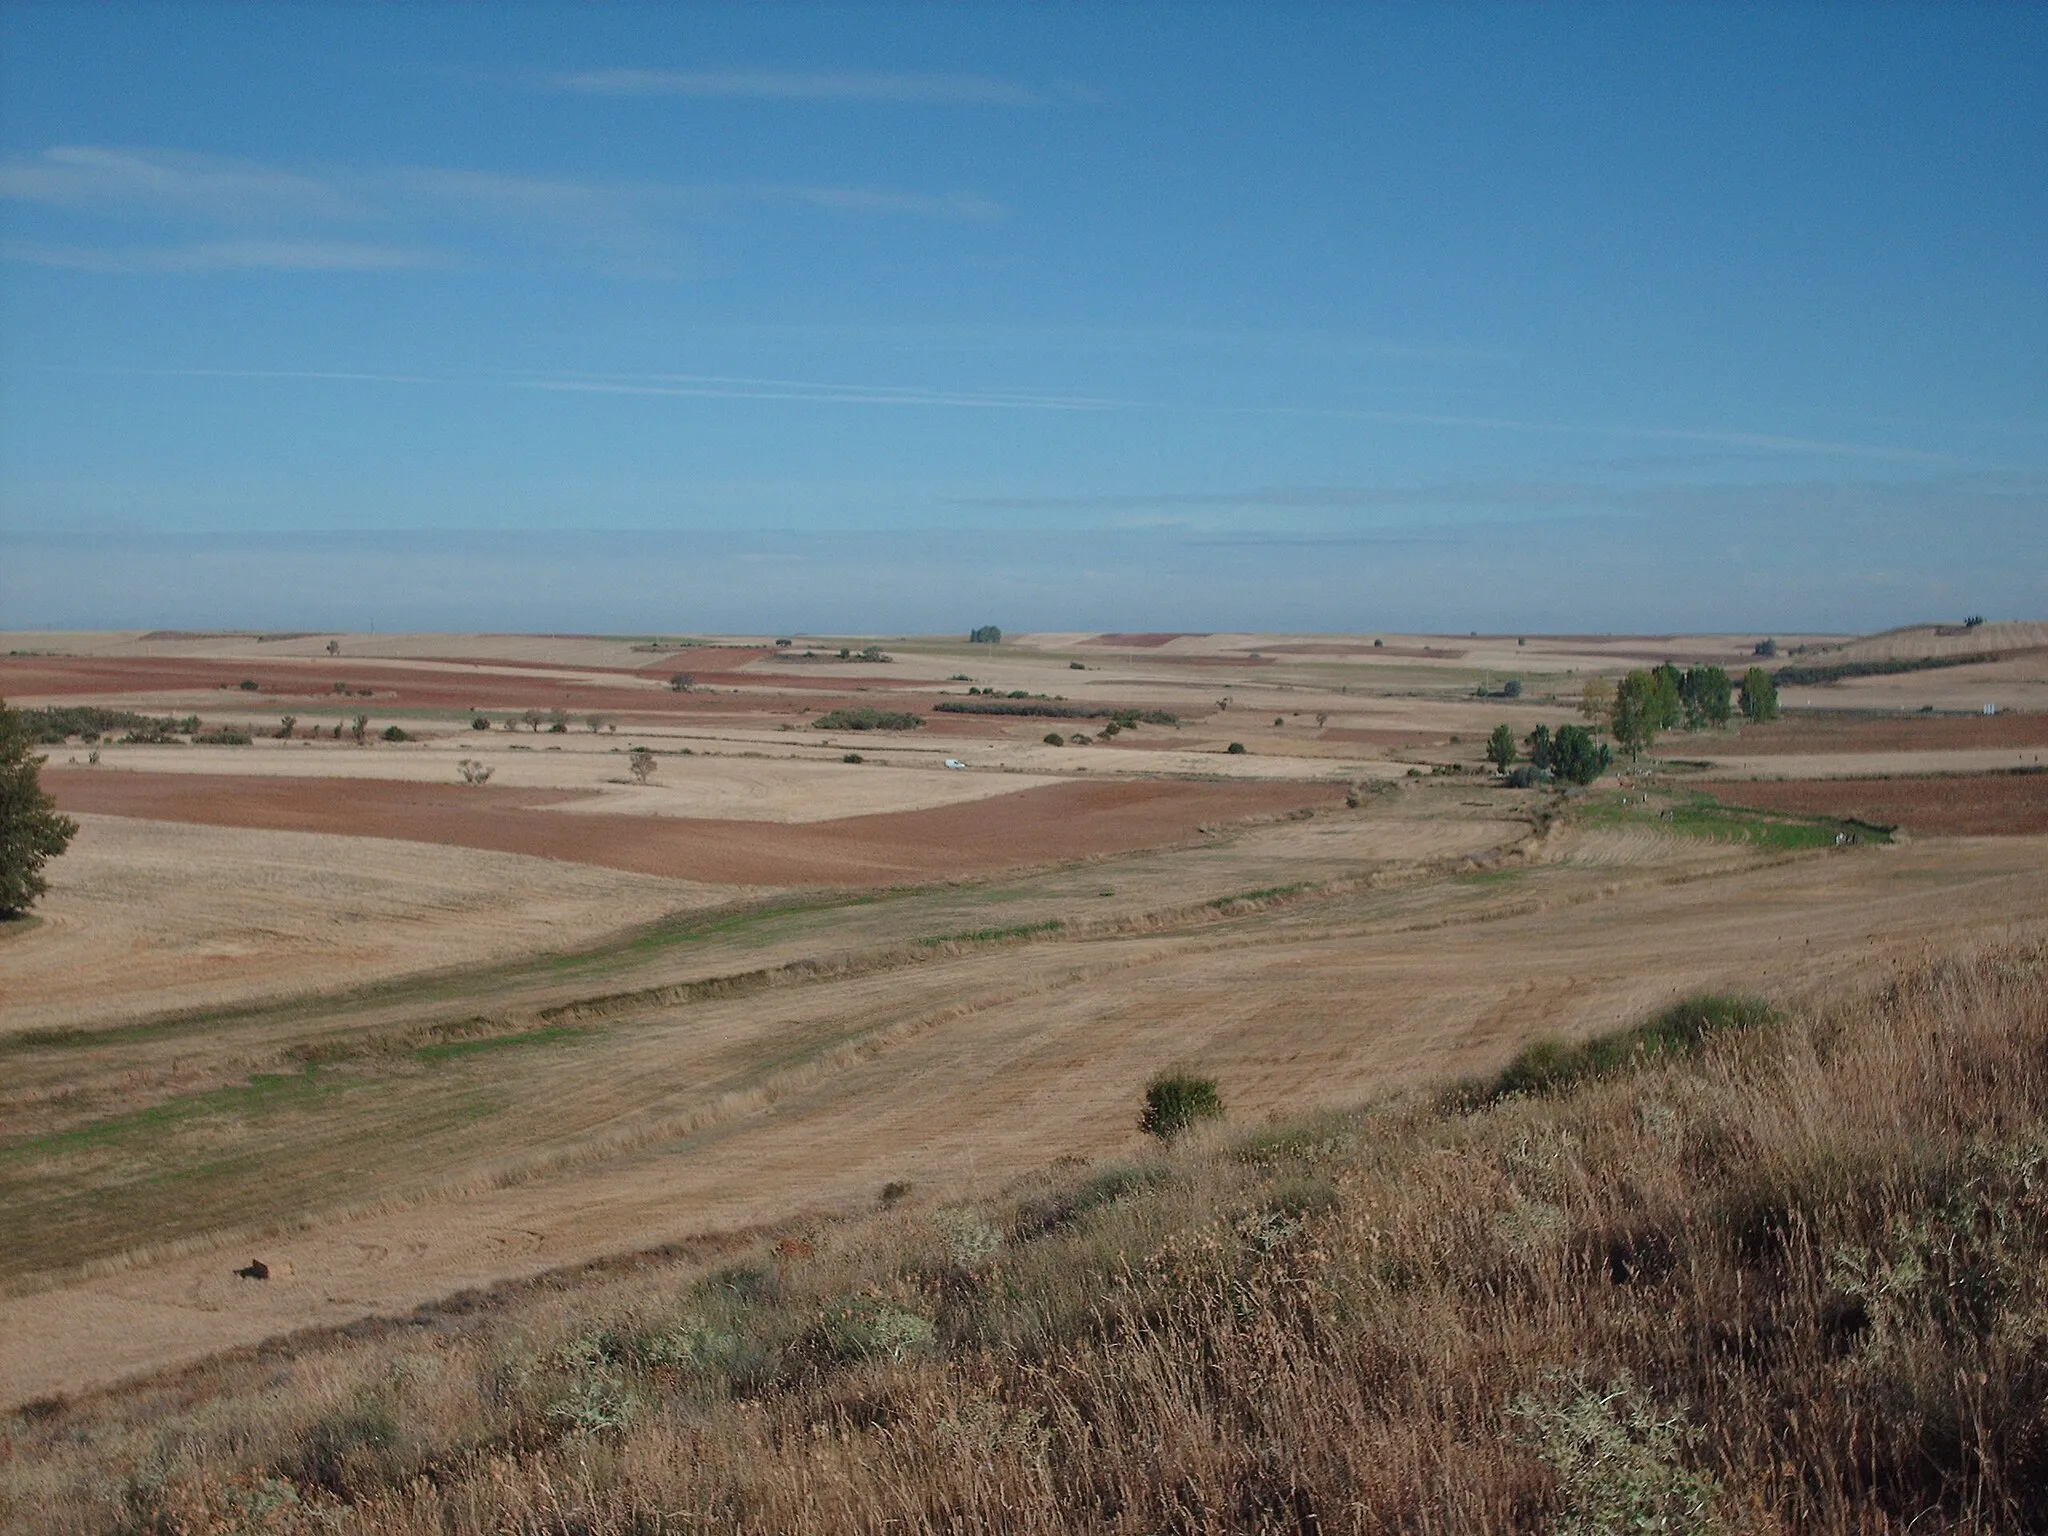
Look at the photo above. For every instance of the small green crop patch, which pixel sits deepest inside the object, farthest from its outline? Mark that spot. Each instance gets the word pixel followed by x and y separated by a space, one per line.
pixel 1693 814
pixel 993 935
pixel 264 1094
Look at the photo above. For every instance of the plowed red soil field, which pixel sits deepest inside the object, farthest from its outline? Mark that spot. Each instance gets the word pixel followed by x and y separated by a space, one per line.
pixel 1976 805
pixel 1045 825
pixel 1901 733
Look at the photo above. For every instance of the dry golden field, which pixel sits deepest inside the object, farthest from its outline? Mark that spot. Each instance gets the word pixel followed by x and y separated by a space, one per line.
pixel 326 1005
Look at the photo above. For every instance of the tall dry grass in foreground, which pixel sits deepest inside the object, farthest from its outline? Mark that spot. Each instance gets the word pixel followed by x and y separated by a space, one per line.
pixel 1784 1275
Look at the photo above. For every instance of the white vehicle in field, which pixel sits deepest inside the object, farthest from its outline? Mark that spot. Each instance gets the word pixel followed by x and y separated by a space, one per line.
pixel 954 762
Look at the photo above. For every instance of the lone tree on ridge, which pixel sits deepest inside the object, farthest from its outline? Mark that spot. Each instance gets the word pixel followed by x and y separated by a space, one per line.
pixel 31 830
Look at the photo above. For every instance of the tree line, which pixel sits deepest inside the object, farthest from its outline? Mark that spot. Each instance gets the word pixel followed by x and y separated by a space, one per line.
pixel 1634 712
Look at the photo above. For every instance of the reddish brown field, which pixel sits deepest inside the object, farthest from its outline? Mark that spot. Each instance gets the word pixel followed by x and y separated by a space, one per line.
pixel 1371 737
pixel 1046 825
pixel 1979 805
pixel 490 686
pixel 1903 733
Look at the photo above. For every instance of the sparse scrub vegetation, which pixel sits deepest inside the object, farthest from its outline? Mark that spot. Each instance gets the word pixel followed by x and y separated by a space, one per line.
pixel 1781 1275
pixel 1018 703
pixel 866 718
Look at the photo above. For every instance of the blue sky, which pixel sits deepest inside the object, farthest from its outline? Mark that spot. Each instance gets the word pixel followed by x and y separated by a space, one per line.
pixel 795 317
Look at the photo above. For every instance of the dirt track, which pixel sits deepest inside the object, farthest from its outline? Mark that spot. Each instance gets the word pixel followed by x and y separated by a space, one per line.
pixel 1977 805
pixel 1046 825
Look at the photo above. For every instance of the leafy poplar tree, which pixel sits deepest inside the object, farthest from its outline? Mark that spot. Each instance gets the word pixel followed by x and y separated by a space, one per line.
pixel 31 830
pixel 1759 696
pixel 1638 713
pixel 1667 692
pixel 1705 692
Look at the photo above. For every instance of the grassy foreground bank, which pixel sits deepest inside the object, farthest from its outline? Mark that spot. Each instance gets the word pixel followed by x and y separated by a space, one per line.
pixel 1733 1272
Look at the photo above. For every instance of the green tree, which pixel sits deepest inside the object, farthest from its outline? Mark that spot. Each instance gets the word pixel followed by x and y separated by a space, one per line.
pixel 31 830
pixel 1668 684
pixel 1576 757
pixel 1759 696
pixel 1706 694
pixel 1500 746
pixel 987 634
pixel 1538 744
pixel 1637 713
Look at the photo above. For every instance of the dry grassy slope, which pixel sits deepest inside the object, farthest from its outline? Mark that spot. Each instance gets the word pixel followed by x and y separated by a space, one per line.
pixel 1918 640
pixel 673 1117
pixel 1789 1283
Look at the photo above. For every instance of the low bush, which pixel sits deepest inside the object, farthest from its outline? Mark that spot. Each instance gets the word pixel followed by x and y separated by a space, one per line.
pixel 222 736
pixel 395 733
pixel 1235 749
pixel 1175 1101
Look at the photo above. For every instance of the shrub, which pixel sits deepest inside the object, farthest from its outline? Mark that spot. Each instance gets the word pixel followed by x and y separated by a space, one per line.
pixel 479 724
pixel 1175 1101
pixel 867 719
pixel 1235 749
pixel 1512 688
pixel 473 771
pixel 1554 1066
pixel 853 757
pixel 248 685
pixel 640 763
pixel 1055 739
pixel 222 736
pixel 394 733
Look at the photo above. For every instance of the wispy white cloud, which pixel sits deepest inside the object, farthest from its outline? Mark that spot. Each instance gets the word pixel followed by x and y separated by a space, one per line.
pixel 244 214
pixel 798 85
pixel 170 182
pixel 227 256
pixel 721 387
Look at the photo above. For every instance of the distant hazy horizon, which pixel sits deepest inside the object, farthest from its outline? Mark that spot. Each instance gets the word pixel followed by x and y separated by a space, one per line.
pixel 904 319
